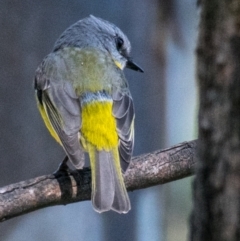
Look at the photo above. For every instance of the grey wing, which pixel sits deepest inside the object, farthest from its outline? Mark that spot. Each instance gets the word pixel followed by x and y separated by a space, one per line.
pixel 123 111
pixel 62 109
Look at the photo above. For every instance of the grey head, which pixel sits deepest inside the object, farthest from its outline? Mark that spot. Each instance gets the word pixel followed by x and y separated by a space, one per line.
pixel 93 32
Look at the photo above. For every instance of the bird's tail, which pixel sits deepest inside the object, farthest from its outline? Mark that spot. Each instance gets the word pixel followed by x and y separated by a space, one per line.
pixel 108 188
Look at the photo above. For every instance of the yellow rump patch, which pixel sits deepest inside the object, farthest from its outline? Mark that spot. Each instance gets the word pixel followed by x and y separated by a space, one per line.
pixel 99 125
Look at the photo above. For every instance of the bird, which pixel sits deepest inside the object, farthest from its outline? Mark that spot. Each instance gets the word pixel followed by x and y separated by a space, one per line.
pixel 85 102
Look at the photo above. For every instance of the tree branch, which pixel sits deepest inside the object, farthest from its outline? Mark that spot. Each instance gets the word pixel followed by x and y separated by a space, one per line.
pixel 145 170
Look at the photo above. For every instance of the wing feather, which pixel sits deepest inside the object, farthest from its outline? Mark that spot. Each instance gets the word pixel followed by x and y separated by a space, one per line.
pixel 123 111
pixel 62 108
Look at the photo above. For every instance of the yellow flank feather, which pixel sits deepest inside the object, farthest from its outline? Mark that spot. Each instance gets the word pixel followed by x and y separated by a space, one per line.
pixel 99 125
pixel 48 123
pixel 92 156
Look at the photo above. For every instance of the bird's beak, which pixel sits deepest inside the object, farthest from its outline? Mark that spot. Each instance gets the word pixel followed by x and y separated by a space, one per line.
pixel 131 65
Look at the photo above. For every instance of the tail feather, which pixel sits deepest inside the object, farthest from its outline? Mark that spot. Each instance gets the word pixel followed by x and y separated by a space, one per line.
pixel 103 182
pixel 108 188
pixel 121 202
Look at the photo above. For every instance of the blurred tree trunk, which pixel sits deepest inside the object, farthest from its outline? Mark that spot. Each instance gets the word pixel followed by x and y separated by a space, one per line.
pixel 216 214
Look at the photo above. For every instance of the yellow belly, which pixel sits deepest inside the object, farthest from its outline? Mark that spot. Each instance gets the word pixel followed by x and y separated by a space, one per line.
pixel 99 125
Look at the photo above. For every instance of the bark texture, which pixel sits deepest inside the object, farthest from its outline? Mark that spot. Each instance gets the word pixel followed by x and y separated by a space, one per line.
pixel 146 170
pixel 216 215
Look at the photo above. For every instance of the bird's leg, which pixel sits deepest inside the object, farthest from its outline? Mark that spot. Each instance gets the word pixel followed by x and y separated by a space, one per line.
pixel 62 168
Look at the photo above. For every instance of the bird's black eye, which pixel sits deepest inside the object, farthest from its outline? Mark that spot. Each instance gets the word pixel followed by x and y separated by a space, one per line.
pixel 119 43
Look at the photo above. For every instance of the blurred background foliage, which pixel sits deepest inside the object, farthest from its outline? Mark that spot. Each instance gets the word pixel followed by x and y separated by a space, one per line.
pixel 163 37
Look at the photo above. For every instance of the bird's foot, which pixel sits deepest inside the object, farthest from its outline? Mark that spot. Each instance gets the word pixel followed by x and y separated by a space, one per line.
pixel 63 168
